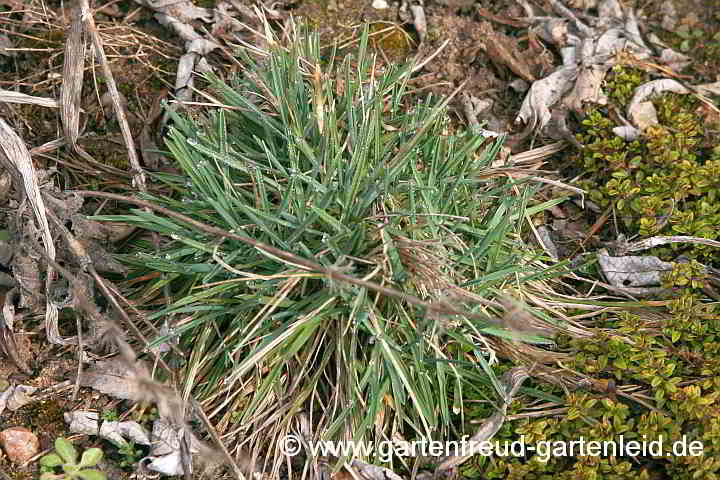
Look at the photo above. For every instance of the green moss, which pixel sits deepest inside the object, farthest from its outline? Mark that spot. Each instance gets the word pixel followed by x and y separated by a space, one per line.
pixel 146 413
pixel 391 39
pixel 703 44
pixel 337 22
pixel 44 416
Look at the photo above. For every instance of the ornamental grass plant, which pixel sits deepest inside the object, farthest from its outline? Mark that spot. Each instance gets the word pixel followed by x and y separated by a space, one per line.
pixel 340 165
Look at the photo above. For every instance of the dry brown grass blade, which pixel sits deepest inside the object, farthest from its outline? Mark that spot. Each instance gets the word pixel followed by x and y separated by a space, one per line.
pixel 8 96
pixel 595 228
pixel 137 171
pixel 170 405
pixel 73 73
pixel 14 156
pixel 8 345
pixel 535 157
pixel 665 240
pixel 48 147
pixel 83 259
pixel 71 92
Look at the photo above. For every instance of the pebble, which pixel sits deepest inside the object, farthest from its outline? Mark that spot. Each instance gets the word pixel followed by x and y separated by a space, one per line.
pixel 19 443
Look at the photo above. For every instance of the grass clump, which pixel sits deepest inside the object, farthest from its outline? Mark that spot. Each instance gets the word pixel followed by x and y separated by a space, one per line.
pixel 351 172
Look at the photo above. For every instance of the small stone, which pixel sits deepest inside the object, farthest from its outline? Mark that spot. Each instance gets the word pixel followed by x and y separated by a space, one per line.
pixel 380 5
pixel 19 443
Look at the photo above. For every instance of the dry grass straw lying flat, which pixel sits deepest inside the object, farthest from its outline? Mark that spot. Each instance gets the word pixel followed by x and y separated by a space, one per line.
pixel 41 22
pixel 73 37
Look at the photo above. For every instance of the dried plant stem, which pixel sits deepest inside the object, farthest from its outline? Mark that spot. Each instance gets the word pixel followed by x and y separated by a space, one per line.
pixel 437 307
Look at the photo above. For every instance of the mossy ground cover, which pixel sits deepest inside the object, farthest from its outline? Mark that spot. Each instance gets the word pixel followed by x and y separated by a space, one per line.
pixel 665 183
pixel 659 372
pixel 651 373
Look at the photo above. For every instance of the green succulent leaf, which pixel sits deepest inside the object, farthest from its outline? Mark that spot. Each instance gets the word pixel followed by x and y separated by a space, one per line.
pixel 91 474
pixel 66 450
pixel 91 457
pixel 51 460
